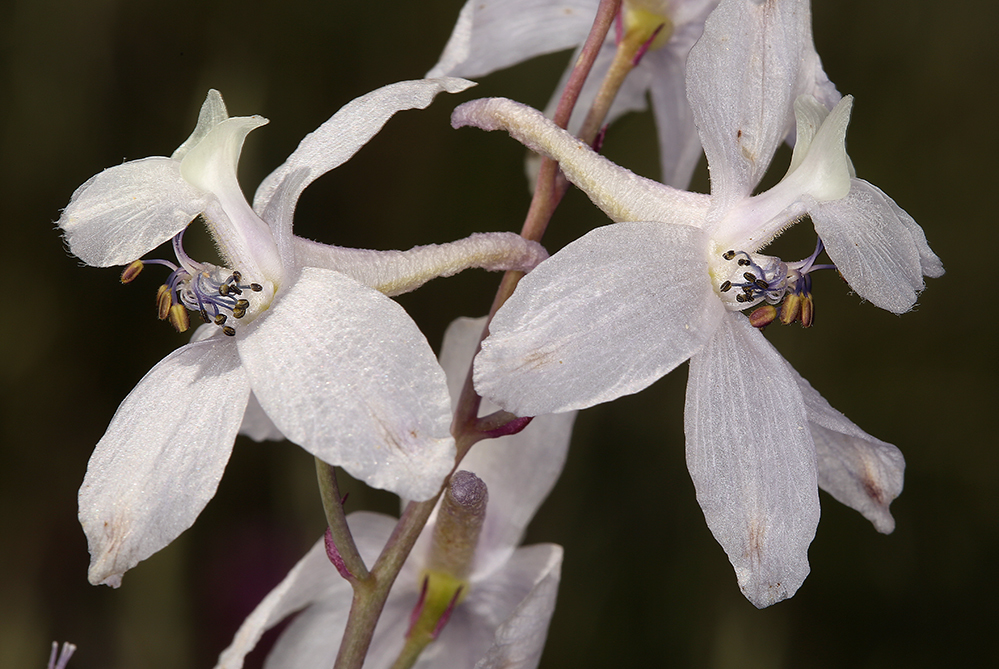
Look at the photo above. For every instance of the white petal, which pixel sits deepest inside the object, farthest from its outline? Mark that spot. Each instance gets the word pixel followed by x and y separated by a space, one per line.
pixel 520 639
pixel 519 470
pixel 345 373
pixel 858 470
pixel 314 638
pixel 752 461
pixel 397 272
pixel 621 194
pixel 212 113
pixel 743 76
pixel 494 34
pixel 162 456
pixel 126 211
pixel 679 143
pixel 873 248
pixel 257 425
pixel 604 317
pixel 339 138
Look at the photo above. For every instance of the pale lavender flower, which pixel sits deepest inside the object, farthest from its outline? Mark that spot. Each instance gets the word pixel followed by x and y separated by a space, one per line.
pixel 299 328
pixel 494 34
pixel 509 596
pixel 624 305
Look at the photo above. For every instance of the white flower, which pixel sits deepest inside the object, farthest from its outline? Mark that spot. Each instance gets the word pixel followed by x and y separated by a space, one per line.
pixel 502 618
pixel 624 305
pixel 337 366
pixel 494 34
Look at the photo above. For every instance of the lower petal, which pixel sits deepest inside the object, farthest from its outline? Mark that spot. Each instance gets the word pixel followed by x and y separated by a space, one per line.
pixel 752 460
pixel 162 457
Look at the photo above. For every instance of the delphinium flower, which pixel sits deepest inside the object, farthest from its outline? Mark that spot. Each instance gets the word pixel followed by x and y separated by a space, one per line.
pixel 466 586
pixel 625 304
pixel 301 328
pixel 645 56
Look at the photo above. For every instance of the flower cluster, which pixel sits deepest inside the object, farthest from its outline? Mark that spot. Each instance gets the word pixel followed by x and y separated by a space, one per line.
pixel 301 340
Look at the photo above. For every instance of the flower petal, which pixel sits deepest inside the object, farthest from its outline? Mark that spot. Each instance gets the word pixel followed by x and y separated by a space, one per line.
pixel 519 470
pixel 743 76
pixel 858 470
pixel 604 317
pixel 212 113
pixel 162 456
pixel 339 138
pixel 314 638
pixel 520 639
pixel 492 34
pixel 621 194
pixel 126 211
pixel 257 425
pixel 679 143
pixel 344 372
pixel 752 460
pixel 873 247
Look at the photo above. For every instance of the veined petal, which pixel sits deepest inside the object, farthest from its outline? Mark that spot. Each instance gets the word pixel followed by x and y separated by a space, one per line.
pixel 162 457
pixel 743 76
pixel 398 272
pixel 314 638
pixel 752 461
pixel 493 34
pixel 679 143
pixel 126 211
pixel 873 247
pixel 621 194
pixel 339 138
pixel 344 372
pixel 519 470
pixel 244 240
pixel 519 640
pixel 858 470
pixel 604 317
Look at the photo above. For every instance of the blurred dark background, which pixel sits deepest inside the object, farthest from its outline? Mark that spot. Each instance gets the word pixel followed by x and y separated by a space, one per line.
pixel 86 85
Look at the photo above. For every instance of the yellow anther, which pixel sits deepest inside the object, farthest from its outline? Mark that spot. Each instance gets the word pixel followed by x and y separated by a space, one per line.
pixel 179 318
pixel 163 301
pixel 132 271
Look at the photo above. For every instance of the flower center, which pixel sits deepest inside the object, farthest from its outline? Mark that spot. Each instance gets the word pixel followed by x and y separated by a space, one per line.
pixel 744 280
pixel 218 294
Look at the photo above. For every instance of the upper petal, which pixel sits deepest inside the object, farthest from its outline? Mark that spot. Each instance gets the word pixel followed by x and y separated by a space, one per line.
pixel 874 247
pixel 752 461
pixel 604 317
pixel 743 76
pixel 162 456
pixel 493 34
pixel 336 140
pixel 344 372
pixel 212 113
pixel 858 470
pixel 126 211
pixel 519 470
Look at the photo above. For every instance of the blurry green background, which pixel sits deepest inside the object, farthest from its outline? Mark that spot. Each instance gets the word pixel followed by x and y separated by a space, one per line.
pixel 86 85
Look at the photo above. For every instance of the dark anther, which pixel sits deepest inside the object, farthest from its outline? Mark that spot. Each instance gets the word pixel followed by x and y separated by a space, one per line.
pixel 725 286
pixel 728 255
pixel 204 316
pixel 761 284
pixel 243 304
pixel 256 287
pixel 220 319
pixel 238 313
pixel 237 277
pixel 224 289
pixel 750 277
pixel 235 289
pixel 740 298
pixel 229 331
pixel 745 262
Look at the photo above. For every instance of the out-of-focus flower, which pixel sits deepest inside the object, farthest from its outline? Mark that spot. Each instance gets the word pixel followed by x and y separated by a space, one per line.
pixel 493 34
pixel 624 305
pixel 300 327
pixel 507 593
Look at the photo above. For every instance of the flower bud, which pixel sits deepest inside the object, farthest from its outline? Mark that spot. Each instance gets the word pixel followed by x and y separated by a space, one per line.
pixel 459 523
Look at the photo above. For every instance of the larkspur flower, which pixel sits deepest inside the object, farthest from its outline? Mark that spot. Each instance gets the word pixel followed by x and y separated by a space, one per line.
pixel 300 329
pixel 491 35
pixel 625 304
pixel 508 593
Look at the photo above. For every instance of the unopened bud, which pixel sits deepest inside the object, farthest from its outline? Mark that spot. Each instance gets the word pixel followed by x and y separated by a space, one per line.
pixel 459 523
